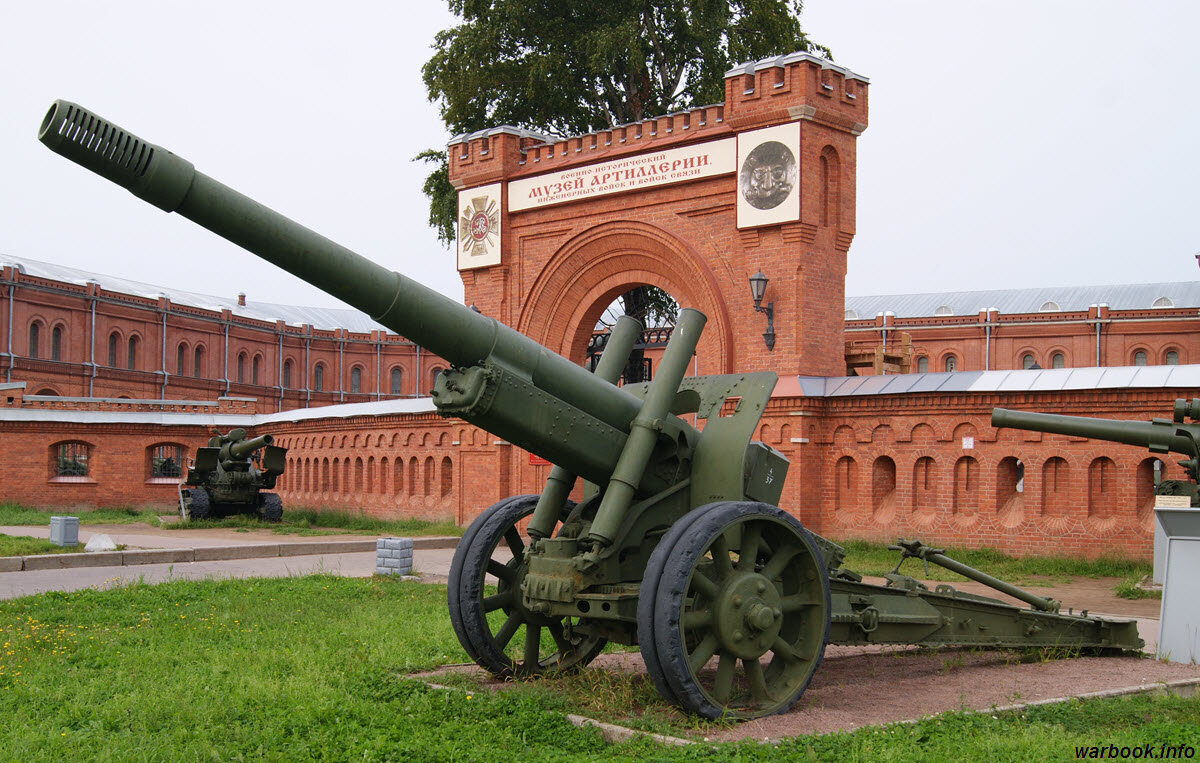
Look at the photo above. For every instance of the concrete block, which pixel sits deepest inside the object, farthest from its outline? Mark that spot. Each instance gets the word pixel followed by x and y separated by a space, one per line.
pixel 64 531
pixel 66 561
pixel 214 553
pixel 11 563
pixel 309 548
pixel 158 556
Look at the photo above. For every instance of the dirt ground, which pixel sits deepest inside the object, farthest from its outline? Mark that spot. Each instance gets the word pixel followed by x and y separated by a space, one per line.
pixel 865 686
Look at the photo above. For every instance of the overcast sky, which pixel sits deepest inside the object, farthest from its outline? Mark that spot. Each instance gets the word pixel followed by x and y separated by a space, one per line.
pixel 1011 144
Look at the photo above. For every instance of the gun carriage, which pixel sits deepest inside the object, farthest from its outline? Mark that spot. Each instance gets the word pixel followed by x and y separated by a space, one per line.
pixel 677 545
pixel 230 475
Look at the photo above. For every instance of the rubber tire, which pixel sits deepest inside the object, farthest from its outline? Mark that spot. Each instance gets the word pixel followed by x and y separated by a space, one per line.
pixel 681 558
pixel 467 580
pixel 647 594
pixel 456 565
pixel 270 507
pixel 200 505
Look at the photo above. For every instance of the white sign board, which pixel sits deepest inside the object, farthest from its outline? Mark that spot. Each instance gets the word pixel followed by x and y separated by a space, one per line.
pixel 479 227
pixel 768 176
pixel 658 168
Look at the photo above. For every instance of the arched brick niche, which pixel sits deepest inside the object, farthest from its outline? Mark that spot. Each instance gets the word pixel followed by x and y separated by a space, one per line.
pixel 592 269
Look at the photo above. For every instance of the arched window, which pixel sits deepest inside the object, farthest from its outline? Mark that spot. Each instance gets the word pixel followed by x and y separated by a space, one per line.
pixel 287 374
pixel 944 310
pixel 166 461
pixel 1049 306
pixel 1139 358
pixel 56 343
pixel 131 357
pixel 356 380
pixel 433 375
pixel 851 315
pixel 1163 302
pixel 180 354
pixel 319 377
pixel 397 385
pixel 241 368
pixel 951 363
pixel 1171 358
pixel 71 459
pixel 1058 360
pixel 112 349
pixel 255 366
pixel 1027 361
pixel 35 330
pixel 922 365
pixel 198 362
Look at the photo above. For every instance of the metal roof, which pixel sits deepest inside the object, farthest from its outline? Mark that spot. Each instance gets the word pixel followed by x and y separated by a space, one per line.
pixel 1045 379
pixel 318 317
pixel 1068 298
pixel 1124 377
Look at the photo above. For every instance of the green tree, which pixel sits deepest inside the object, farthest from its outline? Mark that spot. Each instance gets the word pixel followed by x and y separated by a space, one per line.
pixel 565 68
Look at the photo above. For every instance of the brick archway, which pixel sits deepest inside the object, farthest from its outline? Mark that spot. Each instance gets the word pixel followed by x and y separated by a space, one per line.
pixel 590 270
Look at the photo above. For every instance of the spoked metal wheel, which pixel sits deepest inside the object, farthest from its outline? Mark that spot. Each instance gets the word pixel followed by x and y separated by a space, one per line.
pixel 741 612
pixel 492 624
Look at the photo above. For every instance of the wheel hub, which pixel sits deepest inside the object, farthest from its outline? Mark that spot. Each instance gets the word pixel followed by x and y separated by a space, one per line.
pixel 748 614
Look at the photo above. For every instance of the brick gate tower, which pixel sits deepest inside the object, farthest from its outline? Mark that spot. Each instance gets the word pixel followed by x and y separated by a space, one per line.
pixel 695 202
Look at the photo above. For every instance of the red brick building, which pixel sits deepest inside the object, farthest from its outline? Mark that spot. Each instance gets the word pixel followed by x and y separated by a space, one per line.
pixel 72 333
pixel 551 232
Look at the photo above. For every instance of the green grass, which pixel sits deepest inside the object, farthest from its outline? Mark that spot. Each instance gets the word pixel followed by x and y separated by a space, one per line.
pixel 311 668
pixel 16 514
pixel 23 545
pixel 867 558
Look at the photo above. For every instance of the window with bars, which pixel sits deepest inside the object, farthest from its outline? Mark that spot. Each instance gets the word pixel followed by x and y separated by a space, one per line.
pixel 166 461
pixel 72 459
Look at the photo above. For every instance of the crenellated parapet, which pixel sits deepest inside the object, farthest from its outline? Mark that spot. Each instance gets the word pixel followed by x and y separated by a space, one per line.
pixel 795 86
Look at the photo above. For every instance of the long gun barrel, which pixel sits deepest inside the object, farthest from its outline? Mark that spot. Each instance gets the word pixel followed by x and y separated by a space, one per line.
pixel 1160 435
pixel 243 448
pixel 505 376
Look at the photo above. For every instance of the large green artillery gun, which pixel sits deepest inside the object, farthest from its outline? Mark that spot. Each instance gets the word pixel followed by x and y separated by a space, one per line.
pixel 1178 434
pixel 230 476
pixel 678 544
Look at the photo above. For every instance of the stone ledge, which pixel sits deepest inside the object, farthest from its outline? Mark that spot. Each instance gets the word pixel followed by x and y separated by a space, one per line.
pixel 67 561
pixel 11 563
pixel 158 556
pixel 311 548
pixel 436 541
pixel 220 553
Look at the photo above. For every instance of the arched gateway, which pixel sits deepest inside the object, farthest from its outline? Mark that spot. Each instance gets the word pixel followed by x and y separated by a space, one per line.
pixel 550 232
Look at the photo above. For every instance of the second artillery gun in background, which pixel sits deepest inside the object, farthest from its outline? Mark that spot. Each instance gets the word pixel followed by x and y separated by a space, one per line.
pixel 226 480
pixel 678 544
pixel 1179 434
